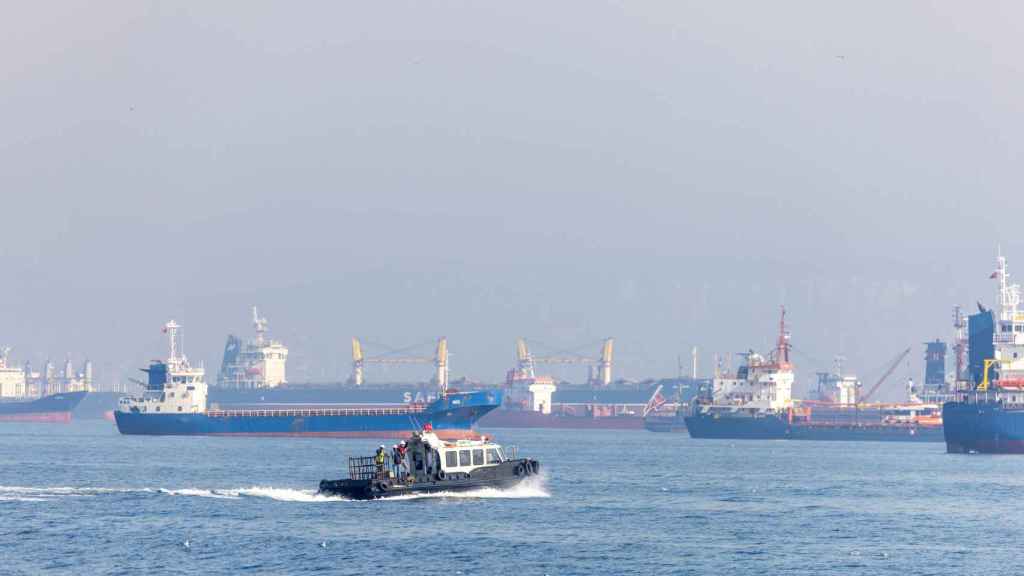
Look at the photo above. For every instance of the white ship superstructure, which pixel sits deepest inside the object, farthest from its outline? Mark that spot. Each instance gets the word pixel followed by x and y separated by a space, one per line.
pixel 12 379
pixel 174 386
pixel 1008 339
pixel 255 364
pixel 24 383
pixel 760 384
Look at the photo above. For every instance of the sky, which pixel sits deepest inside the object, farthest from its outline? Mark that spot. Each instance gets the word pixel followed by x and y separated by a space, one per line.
pixel 665 173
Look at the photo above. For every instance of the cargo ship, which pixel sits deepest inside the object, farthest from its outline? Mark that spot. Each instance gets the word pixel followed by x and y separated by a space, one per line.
pixel 52 408
pixel 537 401
pixel 20 399
pixel 988 414
pixel 252 377
pixel 756 403
pixel 175 403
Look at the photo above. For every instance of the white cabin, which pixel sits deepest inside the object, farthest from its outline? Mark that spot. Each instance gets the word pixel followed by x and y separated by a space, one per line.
pixel 174 386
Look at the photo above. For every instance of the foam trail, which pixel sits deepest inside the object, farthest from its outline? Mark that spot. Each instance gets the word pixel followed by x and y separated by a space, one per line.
pixel 201 493
pixel 534 487
pixel 48 493
pixel 286 494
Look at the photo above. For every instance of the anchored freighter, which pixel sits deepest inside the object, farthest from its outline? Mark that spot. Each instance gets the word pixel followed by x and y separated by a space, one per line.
pixel 990 417
pixel 756 403
pixel 175 403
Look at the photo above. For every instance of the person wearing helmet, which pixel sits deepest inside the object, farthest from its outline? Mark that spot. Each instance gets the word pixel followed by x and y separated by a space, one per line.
pixel 403 466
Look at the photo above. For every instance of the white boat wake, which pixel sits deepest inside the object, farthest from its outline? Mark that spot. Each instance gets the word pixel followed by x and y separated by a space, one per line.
pixel 531 488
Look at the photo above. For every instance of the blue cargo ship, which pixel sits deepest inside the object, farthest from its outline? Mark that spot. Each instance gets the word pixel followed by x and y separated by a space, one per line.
pixel 52 408
pixel 175 403
pixel 988 416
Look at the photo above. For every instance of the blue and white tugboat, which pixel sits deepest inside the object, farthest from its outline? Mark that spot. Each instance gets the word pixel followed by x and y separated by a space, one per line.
pixel 175 403
pixel 428 464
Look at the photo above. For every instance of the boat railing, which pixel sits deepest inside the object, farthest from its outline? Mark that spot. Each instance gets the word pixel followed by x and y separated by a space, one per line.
pixel 511 452
pixel 367 468
pixel 313 412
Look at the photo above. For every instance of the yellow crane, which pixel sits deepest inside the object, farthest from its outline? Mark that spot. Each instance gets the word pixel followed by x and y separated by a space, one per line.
pixel 439 360
pixel 526 362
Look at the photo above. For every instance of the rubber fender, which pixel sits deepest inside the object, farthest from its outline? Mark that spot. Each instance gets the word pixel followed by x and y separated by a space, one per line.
pixel 535 467
pixel 440 474
pixel 520 469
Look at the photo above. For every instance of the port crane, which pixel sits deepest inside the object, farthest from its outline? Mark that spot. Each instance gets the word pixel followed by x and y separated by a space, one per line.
pixel 601 366
pixel 439 360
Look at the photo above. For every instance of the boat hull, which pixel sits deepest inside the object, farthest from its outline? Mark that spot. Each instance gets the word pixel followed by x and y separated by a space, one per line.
pixel 56 408
pixel 983 427
pixel 502 476
pixel 453 417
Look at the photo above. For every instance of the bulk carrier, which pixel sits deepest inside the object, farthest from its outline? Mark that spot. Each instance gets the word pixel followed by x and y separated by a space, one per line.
pixel 756 403
pixel 23 400
pixel 988 414
pixel 252 377
pixel 175 403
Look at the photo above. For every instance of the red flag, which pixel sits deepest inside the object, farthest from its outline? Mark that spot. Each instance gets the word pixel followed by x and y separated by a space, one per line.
pixel 656 401
pixel 994 275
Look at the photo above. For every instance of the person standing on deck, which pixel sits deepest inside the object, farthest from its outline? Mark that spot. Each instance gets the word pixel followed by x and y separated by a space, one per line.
pixel 379 458
pixel 429 456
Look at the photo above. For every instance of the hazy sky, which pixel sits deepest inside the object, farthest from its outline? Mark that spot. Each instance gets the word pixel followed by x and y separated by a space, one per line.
pixel 664 173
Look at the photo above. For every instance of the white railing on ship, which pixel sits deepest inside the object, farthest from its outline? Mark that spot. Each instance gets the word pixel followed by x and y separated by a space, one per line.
pixel 313 412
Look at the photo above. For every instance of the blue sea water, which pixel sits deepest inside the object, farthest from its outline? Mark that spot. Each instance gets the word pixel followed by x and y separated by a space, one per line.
pixel 81 499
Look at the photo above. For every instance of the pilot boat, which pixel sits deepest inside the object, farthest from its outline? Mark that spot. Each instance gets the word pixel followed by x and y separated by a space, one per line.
pixel 432 465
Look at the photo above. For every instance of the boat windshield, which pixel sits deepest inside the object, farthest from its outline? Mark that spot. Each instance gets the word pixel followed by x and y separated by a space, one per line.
pixel 495 456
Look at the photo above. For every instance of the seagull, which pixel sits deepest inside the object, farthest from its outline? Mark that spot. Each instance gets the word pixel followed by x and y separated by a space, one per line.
pixel 323 544
pixel 187 543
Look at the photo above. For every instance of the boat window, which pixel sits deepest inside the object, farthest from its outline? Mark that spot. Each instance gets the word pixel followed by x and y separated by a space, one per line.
pixel 179 408
pixel 464 458
pixel 492 456
pixel 478 457
pixel 171 394
pixel 157 408
pixel 451 459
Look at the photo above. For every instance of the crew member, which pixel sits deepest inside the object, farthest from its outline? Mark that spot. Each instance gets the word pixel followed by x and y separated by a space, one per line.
pixel 379 459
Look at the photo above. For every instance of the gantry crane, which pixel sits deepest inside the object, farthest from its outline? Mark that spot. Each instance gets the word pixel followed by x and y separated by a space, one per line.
pixel 439 360
pixel 526 362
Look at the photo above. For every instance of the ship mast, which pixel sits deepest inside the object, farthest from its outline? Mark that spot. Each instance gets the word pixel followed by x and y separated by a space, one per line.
pixel 174 361
pixel 782 345
pixel 260 324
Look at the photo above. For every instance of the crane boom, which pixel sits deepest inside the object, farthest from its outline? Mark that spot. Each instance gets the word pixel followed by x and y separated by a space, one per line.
pixel 885 376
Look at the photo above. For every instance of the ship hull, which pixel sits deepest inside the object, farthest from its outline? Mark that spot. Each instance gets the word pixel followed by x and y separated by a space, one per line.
pixel 450 418
pixel 766 427
pixel 866 432
pixel 56 408
pixel 776 427
pixel 529 419
pixel 983 427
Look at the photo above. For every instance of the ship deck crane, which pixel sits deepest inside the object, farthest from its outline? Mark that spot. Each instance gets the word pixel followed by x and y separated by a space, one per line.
pixel 439 360
pixel 526 362
pixel 888 372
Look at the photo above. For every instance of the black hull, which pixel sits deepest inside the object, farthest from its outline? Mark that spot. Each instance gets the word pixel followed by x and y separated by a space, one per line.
pixel 504 475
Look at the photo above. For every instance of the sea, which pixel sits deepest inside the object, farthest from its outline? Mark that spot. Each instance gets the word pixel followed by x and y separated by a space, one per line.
pixel 81 499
